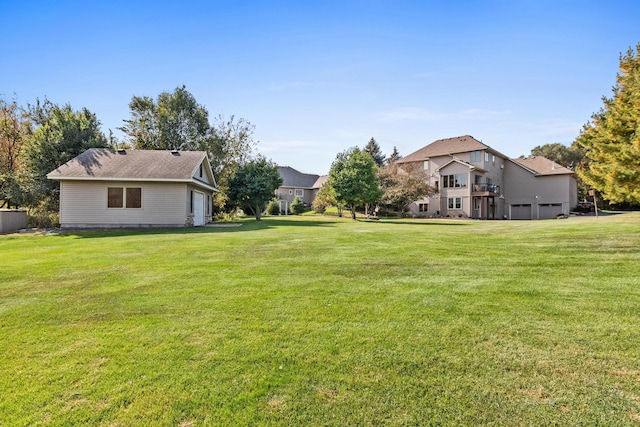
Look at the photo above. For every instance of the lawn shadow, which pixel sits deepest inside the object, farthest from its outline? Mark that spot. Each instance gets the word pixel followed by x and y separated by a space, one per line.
pixel 215 228
pixel 416 222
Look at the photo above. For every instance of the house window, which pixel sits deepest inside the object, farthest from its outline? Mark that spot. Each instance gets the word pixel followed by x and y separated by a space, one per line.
pixel 454 203
pixel 493 159
pixel 134 198
pixel 191 201
pixel 299 192
pixel 458 180
pixel 119 197
pixel 200 170
pixel 425 165
pixel 475 156
pixel 208 204
pixel 423 207
pixel 486 156
pixel 115 197
pixel 290 192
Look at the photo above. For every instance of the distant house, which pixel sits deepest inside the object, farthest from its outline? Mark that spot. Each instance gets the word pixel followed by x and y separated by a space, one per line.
pixel 473 180
pixel 297 184
pixel 106 188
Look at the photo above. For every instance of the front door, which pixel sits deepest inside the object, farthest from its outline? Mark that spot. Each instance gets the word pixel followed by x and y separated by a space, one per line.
pixel 198 208
pixel 477 208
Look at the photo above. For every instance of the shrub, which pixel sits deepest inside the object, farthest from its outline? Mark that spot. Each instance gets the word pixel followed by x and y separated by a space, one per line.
pixel 297 206
pixel 273 208
pixel 223 217
pixel 42 218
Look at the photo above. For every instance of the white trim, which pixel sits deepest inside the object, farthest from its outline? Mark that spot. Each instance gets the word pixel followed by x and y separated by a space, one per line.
pixel 188 181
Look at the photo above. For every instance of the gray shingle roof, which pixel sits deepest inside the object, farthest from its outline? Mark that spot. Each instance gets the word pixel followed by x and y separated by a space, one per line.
pixel 443 147
pixel 295 179
pixel 131 165
pixel 543 166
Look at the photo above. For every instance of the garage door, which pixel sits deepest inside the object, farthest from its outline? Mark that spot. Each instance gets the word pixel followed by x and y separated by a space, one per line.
pixel 549 210
pixel 521 211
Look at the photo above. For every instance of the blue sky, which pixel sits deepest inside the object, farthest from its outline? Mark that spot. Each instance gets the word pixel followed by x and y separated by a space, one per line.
pixel 319 77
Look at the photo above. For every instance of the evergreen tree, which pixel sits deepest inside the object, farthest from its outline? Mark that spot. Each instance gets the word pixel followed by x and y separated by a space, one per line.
pixel 395 156
pixel 374 151
pixel 612 139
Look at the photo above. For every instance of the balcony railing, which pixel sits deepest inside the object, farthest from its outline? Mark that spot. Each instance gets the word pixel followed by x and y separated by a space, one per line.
pixel 485 188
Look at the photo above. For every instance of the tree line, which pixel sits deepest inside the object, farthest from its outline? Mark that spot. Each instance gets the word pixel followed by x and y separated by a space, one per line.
pixel 37 138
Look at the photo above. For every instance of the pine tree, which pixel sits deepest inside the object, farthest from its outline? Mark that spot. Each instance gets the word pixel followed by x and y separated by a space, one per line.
pixel 373 149
pixel 395 156
pixel 612 138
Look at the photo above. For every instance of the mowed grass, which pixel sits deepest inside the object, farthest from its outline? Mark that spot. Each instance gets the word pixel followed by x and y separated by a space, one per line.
pixel 324 321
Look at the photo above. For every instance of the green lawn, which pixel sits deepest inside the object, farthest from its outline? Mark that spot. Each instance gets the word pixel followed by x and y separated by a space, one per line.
pixel 324 321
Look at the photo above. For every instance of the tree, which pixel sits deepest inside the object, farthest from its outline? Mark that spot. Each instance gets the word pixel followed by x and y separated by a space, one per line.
pixel 568 157
pixel 374 151
pixel 395 156
pixel 403 185
pixel 611 139
pixel 325 198
pixel 61 134
pixel 253 184
pixel 14 127
pixel 231 143
pixel 353 179
pixel 174 122
pixel 297 206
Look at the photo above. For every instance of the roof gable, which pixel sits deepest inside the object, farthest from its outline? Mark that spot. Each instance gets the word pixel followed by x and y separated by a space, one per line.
pixel 445 147
pixel 293 178
pixel 454 160
pixel 134 165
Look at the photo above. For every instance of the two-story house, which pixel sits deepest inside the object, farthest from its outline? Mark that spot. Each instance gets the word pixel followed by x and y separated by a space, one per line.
pixel 472 180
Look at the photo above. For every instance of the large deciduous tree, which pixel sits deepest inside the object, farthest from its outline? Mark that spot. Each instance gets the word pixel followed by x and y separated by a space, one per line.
pixel 568 157
pixel 60 135
pixel 14 127
pixel 611 139
pixel 354 180
pixel 253 184
pixel 174 122
pixel 403 185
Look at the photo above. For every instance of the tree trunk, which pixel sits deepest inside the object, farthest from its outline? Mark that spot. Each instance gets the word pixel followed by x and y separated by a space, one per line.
pixel 353 212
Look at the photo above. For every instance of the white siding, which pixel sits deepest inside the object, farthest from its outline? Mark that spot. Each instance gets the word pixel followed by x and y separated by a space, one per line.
pixel 84 204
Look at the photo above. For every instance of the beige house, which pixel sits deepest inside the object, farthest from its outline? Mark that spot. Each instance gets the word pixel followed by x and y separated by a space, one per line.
pixel 297 184
pixel 472 180
pixel 106 188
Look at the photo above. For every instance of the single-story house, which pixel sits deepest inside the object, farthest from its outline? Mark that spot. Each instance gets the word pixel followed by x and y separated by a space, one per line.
pixel 472 180
pixel 108 188
pixel 297 184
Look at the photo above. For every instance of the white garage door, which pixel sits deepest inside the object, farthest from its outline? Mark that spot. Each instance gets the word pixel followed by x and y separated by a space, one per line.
pixel 198 209
pixel 520 211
